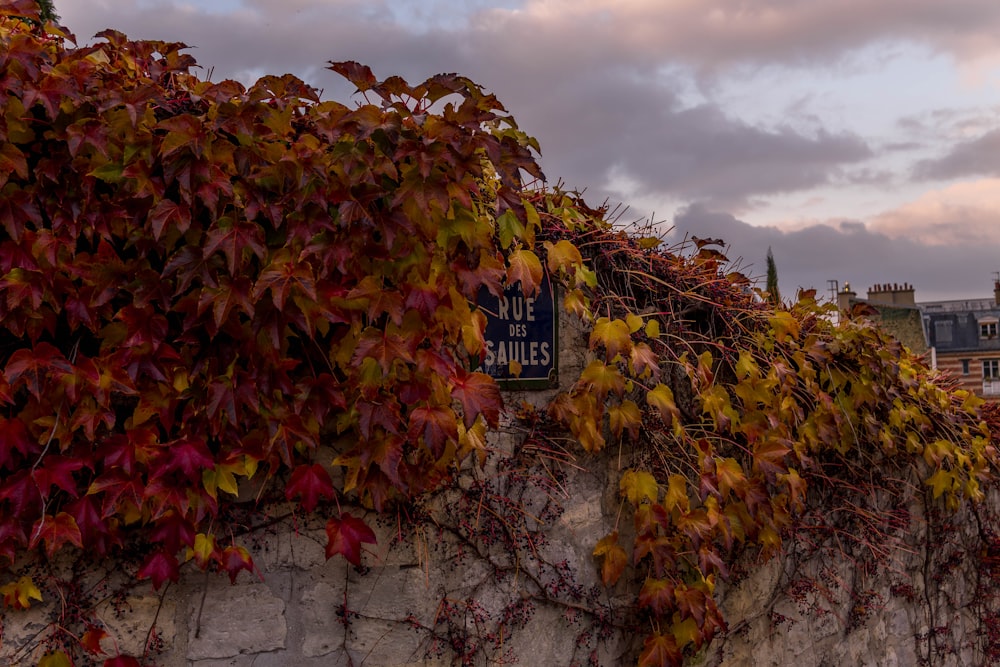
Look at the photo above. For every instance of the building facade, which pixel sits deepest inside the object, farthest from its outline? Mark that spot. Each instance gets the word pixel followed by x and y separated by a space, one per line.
pixel 963 336
pixel 960 337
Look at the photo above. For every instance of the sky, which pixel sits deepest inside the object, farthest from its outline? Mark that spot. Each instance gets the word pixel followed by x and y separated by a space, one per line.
pixel 859 140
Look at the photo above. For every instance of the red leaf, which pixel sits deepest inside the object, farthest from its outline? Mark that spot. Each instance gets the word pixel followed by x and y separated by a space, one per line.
pixel 660 651
pixel 436 425
pixel 22 492
pixel 346 535
pixel 57 471
pixel 173 530
pixel 91 640
pixel 234 559
pixel 168 214
pixel 14 437
pixel 358 74
pixel 658 594
pixel 190 456
pixel 36 368
pixel 283 277
pixel 122 661
pixel 310 482
pixel 159 567
pixel 691 602
pixel 381 301
pixel 384 347
pixel 233 240
pixel 479 395
pixel 55 531
pixel 94 532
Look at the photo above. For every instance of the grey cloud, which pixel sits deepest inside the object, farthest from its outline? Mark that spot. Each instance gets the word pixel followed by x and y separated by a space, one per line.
pixel 719 33
pixel 850 251
pixel 979 157
pixel 590 107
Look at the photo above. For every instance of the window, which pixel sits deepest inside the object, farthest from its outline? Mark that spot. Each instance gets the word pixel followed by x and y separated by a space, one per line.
pixel 942 331
pixel 991 369
pixel 965 366
pixel 987 329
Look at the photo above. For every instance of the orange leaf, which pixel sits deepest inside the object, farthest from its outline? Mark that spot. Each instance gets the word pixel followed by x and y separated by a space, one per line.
pixel 660 651
pixel 730 475
pixel 615 558
pixel 91 640
pixel 524 267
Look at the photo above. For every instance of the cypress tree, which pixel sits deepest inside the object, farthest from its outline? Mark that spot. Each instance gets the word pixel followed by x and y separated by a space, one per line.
pixel 772 279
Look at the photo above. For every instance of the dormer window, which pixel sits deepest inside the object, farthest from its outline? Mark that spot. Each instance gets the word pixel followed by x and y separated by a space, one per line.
pixel 987 329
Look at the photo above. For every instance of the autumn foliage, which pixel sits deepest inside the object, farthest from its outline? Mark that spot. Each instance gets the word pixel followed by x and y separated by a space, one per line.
pixel 211 294
pixel 202 284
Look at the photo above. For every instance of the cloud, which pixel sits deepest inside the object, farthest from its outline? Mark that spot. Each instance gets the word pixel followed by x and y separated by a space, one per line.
pixel 718 33
pixel 847 251
pixel 964 213
pixel 596 104
pixel 627 98
pixel 978 157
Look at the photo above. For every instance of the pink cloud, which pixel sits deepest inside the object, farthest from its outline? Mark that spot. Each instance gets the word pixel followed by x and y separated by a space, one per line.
pixel 961 213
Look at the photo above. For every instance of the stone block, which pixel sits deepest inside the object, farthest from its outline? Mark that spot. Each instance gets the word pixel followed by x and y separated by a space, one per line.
pixel 235 620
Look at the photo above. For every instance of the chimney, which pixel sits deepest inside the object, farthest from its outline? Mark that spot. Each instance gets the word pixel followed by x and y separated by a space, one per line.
pixel 996 292
pixel 894 294
pixel 844 297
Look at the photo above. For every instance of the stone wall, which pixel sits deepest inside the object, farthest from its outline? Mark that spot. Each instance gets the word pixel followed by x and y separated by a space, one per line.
pixel 499 569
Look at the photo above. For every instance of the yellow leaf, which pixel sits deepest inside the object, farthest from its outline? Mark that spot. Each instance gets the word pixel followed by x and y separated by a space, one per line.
pixel 55 659
pixel 769 539
pixel 204 547
pixel 648 242
pixel 19 594
pixel 644 361
pixel 661 397
pixel 653 328
pixel 796 487
pixel 225 477
pixel 638 486
pixel 181 380
pixel 575 303
pixel 562 255
pixel 625 415
pixel 514 367
pixel 613 335
pixel 534 221
pixel 472 334
pixel 603 379
pixel 686 632
pixel 250 466
pixel 634 322
pixel 473 439
pixel 746 366
pixel 941 481
pixel 677 495
pixel 208 480
pixel 784 325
